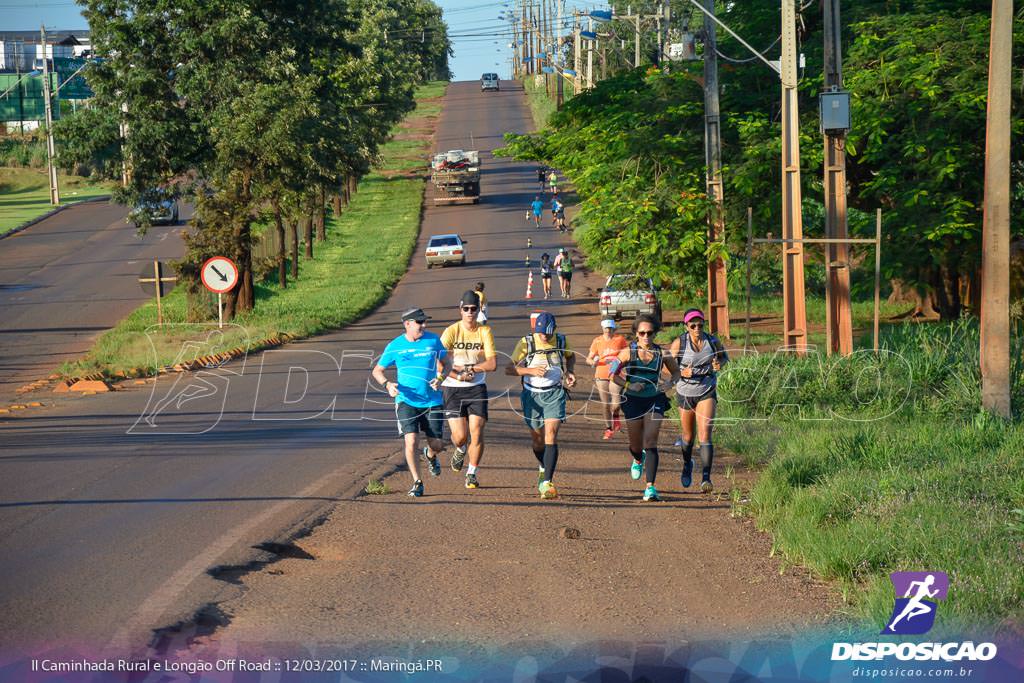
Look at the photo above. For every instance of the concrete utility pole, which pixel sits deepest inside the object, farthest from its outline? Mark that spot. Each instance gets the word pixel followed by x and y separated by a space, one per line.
pixel 838 324
pixel 794 316
pixel 590 56
pixel 718 294
pixel 560 98
pixel 995 240
pixel 51 151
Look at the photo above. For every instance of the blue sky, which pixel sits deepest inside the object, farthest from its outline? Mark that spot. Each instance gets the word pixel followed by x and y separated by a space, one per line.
pixel 480 38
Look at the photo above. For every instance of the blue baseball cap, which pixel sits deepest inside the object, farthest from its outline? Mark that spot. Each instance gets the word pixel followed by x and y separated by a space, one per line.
pixel 544 323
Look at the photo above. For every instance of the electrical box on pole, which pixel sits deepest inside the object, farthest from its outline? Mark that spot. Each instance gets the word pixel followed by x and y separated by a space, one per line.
pixel 835 112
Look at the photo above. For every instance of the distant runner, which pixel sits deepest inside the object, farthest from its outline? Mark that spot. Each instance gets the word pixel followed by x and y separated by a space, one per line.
pixel 481 317
pixel 417 356
pixel 544 360
pixel 537 207
pixel 557 214
pixel 545 273
pixel 639 370
pixel 603 350
pixel 564 265
pixel 553 182
pixel 471 355
pixel 700 357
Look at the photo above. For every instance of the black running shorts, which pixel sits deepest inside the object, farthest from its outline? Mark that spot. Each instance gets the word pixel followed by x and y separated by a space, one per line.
pixel 634 407
pixel 412 419
pixel 465 401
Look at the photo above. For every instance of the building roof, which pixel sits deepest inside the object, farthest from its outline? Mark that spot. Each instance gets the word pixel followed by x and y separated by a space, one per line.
pixel 52 37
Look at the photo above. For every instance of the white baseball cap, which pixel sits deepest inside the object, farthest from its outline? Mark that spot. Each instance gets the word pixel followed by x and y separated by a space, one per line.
pixel 608 323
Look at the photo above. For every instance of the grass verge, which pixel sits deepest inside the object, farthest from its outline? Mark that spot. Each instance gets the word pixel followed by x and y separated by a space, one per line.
pixel 348 277
pixel 25 194
pixel 880 465
pixel 542 105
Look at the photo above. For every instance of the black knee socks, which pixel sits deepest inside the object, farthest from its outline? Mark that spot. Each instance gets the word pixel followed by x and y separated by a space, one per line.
pixel 550 460
pixel 651 464
pixel 707 455
pixel 687 450
pixel 636 456
pixel 539 454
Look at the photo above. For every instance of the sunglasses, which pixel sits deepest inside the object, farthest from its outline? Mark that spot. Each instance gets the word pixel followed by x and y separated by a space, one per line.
pixel 694 326
pixel 470 309
pixel 644 333
pixel 419 322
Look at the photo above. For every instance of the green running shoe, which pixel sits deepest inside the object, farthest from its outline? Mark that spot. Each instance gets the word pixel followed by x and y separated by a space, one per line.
pixel 540 477
pixel 637 468
pixel 651 494
pixel 547 490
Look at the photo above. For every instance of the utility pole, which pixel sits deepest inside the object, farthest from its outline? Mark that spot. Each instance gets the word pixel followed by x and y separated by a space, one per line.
pixel 51 151
pixel 794 317
pixel 838 324
pixel 576 49
pixel 590 56
pixel 718 291
pixel 560 97
pixel 545 45
pixel 995 240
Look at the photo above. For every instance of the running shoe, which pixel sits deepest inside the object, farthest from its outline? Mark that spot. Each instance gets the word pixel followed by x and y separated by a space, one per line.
pixel 540 477
pixel 432 461
pixel 678 443
pixel 706 486
pixel 637 468
pixel 608 433
pixel 651 494
pixel 616 425
pixel 471 482
pixel 417 489
pixel 686 478
pixel 547 490
pixel 458 458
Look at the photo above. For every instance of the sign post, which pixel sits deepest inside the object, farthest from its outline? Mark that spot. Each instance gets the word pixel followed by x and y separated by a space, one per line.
pixel 219 275
pixel 158 281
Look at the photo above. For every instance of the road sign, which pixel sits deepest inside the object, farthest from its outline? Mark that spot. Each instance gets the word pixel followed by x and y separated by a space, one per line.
pixel 219 274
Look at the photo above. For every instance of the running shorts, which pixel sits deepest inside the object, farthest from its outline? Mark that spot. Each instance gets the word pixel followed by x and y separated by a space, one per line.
pixel 539 406
pixel 634 407
pixel 412 419
pixel 465 401
pixel 690 402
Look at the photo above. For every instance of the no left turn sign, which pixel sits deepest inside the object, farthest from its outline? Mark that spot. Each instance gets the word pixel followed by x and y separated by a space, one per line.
pixel 219 274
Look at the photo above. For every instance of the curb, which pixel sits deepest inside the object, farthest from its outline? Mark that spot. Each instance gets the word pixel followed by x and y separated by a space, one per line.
pixel 52 212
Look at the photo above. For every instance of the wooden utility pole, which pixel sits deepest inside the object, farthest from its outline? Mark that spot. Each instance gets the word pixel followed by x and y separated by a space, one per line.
pixel 718 294
pixel 590 56
pixel 794 315
pixel 559 73
pixel 838 324
pixel 576 50
pixel 995 240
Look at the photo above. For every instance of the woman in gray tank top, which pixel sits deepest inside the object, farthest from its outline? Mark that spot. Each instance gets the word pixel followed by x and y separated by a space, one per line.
pixel 700 357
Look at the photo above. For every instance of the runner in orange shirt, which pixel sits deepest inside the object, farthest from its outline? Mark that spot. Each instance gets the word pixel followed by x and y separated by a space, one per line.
pixel 604 349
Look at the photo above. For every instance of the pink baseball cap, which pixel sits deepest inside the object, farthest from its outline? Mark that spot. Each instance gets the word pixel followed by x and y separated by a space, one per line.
pixel 692 314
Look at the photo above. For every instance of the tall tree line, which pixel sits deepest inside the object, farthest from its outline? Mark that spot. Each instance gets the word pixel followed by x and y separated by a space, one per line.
pixel 256 109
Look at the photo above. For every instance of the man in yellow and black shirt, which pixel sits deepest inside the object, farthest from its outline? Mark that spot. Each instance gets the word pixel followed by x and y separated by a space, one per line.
pixel 471 356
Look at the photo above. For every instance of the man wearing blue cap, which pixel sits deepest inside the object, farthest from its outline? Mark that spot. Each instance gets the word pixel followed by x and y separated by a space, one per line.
pixel 545 362
pixel 417 356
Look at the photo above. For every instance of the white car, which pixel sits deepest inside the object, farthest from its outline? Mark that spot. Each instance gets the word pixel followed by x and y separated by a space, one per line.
pixel 489 82
pixel 445 249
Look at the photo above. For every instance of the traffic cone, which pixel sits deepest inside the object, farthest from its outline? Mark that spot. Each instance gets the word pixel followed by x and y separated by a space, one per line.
pixel 529 286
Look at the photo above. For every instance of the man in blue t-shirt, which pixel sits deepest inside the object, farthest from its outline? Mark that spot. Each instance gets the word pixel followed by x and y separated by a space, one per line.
pixel 417 357
pixel 537 206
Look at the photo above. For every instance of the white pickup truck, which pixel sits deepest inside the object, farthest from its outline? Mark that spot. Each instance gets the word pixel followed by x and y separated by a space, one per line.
pixel 627 296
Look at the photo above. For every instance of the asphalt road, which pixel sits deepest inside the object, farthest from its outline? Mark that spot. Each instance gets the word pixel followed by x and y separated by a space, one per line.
pixel 65 280
pixel 111 521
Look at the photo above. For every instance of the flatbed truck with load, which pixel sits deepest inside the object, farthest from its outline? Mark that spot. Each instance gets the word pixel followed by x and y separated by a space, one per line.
pixel 456 177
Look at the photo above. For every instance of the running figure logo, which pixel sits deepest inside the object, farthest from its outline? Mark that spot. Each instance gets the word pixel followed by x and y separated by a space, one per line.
pixel 914 612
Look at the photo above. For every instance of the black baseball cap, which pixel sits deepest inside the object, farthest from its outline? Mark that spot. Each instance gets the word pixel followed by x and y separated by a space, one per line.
pixel 469 298
pixel 416 314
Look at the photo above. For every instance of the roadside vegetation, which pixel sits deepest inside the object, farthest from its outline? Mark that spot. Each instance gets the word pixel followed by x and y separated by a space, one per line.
pixel 542 105
pixel 349 276
pixel 25 187
pixel 870 466
pixel 259 113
